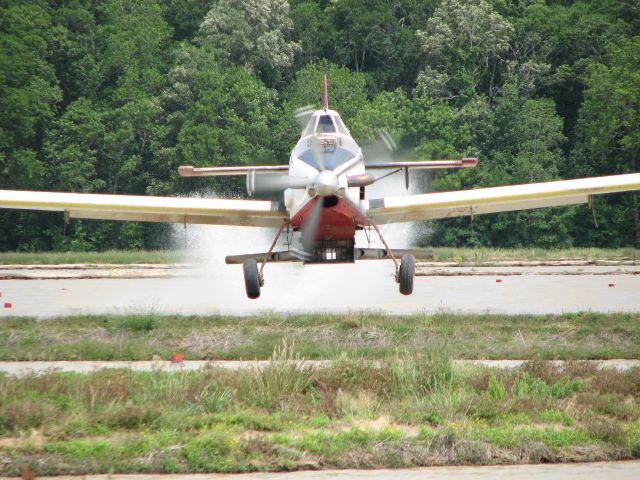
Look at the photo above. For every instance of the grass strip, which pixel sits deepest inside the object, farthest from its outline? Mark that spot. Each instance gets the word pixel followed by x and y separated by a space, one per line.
pixel 586 335
pixel 411 410
pixel 106 257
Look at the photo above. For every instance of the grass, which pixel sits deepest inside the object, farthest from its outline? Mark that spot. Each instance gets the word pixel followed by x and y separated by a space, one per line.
pixel 409 410
pixel 106 257
pixel 440 254
pixel 496 254
pixel 584 335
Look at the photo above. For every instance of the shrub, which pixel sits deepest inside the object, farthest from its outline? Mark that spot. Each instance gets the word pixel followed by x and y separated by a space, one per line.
pixel 495 388
pixel 137 323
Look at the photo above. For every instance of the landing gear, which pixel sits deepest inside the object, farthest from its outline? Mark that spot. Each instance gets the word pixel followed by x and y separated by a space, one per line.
pixel 251 278
pixel 406 273
pixel 254 278
pixel 405 270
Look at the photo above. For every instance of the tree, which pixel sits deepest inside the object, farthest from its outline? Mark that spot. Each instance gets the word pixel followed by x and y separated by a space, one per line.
pixel 466 45
pixel 216 115
pixel 314 30
pixel 29 92
pixel 254 33
pixel 132 47
pixel 521 142
pixel 377 37
pixel 608 132
pixel 185 16
pixel 73 147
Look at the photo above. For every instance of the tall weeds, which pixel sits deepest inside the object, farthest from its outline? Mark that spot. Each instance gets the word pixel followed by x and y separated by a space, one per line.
pixel 285 376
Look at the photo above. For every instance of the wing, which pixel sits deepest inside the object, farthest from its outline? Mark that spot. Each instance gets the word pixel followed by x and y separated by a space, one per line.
pixel 212 211
pixel 426 164
pixel 498 199
pixel 190 171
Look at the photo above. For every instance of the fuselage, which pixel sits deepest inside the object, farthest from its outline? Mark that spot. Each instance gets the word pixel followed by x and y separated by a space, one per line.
pixel 326 154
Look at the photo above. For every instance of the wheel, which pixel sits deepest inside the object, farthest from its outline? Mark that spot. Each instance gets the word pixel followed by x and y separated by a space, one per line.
pixel 407 271
pixel 251 278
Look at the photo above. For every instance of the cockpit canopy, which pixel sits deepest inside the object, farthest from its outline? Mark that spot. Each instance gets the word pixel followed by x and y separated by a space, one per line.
pixel 325 122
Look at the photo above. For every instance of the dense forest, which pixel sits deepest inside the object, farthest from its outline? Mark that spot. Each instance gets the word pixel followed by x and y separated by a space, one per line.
pixel 112 95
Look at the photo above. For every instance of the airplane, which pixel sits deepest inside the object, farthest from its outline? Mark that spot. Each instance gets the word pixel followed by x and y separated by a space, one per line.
pixel 324 201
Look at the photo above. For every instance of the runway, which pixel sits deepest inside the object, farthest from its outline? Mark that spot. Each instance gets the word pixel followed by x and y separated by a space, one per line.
pixel 592 471
pixel 294 288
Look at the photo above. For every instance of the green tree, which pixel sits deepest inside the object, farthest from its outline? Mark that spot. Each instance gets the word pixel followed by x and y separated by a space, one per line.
pixel 215 114
pixel 29 91
pixel 466 46
pixel 73 147
pixel 254 33
pixel 521 142
pixel 608 136
pixel 378 37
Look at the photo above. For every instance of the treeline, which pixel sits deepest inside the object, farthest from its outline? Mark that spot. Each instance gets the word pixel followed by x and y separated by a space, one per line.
pixel 112 95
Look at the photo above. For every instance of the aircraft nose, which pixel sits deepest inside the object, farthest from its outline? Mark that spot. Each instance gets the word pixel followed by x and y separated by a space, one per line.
pixel 325 183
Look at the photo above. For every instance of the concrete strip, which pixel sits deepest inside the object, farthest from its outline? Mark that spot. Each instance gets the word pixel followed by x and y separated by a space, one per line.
pixel 432 269
pixel 577 471
pixel 339 288
pixel 21 369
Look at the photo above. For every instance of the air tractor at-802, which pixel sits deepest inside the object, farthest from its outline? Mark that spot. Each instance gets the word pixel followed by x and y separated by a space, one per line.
pixel 323 201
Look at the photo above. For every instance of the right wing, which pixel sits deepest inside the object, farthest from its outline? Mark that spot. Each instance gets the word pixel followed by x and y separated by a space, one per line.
pixel 190 171
pixel 497 199
pixel 212 211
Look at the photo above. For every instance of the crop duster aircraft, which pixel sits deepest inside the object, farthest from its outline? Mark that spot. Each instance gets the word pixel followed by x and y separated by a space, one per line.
pixel 324 201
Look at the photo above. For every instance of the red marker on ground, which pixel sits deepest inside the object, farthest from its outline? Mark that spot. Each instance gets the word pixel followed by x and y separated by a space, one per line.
pixel 498 280
pixel 176 358
pixel 8 304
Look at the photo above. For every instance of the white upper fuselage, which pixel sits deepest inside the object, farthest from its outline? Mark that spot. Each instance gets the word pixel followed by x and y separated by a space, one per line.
pixel 325 154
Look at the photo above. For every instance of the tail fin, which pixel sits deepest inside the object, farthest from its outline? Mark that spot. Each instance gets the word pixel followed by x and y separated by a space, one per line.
pixel 325 93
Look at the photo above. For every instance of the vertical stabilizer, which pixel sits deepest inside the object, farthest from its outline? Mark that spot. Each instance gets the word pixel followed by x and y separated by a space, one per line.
pixel 325 93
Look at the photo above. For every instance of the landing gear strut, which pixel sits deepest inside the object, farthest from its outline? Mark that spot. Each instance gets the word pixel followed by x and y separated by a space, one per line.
pixel 405 270
pixel 254 278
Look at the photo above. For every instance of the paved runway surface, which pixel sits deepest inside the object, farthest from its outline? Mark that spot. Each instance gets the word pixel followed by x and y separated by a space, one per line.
pixel 584 471
pixel 293 288
pixel 23 368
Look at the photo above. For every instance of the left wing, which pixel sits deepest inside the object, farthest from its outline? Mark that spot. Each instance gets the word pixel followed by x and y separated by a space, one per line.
pixel 497 199
pixel 143 208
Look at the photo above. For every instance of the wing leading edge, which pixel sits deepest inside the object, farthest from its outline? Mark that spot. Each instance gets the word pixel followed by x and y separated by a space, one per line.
pixel 497 199
pixel 211 211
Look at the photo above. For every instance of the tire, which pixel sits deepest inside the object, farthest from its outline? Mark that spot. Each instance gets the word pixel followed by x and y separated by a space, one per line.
pixel 407 272
pixel 251 278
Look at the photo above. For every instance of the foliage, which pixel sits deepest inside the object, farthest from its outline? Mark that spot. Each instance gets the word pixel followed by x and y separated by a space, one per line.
pixel 126 421
pixel 112 96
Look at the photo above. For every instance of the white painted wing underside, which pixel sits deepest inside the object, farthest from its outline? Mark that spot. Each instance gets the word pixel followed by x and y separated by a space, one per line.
pixel 212 211
pixel 498 199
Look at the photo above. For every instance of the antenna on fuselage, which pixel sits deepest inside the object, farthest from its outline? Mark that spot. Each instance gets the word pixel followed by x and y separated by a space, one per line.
pixel 325 93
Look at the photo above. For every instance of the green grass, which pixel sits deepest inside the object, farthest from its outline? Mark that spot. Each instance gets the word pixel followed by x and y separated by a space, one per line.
pixel 440 254
pixel 496 254
pixel 585 335
pixel 350 414
pixel 107 257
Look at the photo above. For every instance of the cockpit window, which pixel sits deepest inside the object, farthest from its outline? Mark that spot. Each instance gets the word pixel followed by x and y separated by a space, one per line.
pixel 325 125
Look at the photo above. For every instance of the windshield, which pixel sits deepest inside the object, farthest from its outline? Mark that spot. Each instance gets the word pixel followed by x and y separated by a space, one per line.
pixel 325 125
